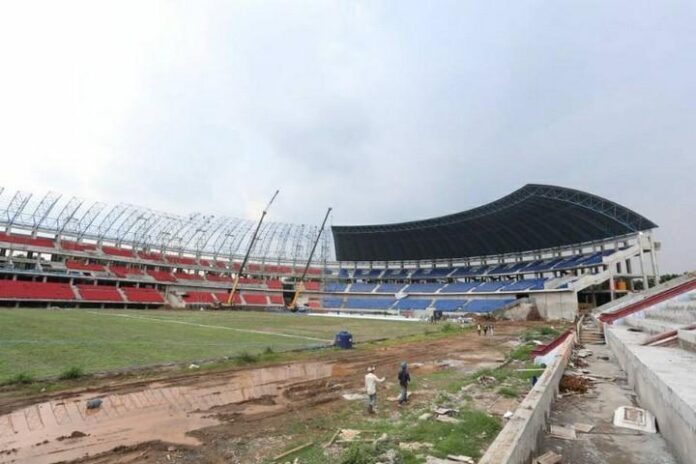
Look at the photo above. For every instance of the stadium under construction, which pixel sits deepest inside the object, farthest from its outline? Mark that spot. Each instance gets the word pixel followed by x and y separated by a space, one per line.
pixel 541 248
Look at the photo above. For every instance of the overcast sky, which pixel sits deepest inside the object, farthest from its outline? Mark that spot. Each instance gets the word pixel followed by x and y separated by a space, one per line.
pixel 387 111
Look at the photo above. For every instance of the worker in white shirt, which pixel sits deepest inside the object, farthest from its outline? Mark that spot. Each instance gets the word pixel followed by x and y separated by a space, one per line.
pixel 371 381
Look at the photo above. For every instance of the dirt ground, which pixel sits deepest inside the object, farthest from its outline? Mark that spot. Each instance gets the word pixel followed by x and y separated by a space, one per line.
pixel 238 415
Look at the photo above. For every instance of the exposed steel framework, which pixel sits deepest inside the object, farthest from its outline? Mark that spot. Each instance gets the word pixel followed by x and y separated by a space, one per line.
pixel 195 234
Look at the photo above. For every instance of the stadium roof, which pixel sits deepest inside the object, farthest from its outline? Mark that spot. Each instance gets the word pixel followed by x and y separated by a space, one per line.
pixel 532 218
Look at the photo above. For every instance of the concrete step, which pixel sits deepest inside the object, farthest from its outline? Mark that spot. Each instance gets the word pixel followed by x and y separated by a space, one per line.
pixel 652 326
pixel 687 339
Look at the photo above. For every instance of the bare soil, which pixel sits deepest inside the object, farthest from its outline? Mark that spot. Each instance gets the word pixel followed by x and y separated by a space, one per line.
pixel 238 415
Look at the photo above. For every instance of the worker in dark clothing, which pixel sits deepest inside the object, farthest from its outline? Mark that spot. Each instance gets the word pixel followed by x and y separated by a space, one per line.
pixel 404 379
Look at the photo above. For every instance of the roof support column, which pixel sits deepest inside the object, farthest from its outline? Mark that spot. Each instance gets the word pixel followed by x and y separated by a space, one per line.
pixel 642 261
pixel 653 258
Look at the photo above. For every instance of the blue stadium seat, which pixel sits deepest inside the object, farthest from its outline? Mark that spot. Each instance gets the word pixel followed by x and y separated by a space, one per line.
pixel 431 272
pixel 335 287
pixel 412 303
pixel 390 288
pixel 450 305
pixel 459 287
pixel 490 286
pixel 423 288
pixel 369 303
pixel 330 302
pixel 525 284
pixel 396 274
pixel 367 273
pixel 362 287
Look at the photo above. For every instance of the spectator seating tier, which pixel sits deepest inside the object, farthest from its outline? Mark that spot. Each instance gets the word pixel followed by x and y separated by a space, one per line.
pixel 255 299
pixel 199 298
pixel 362 287
pixel 123 271
pixel 277 300
pixel 26 240
pixel 26 290
pixel 222 297
pixel 80 266
pixel 142 295
pixel 390 288
pixel 459 287
pixel 423 288
pixel 412 303
pixel 449 305
pixel 162 276
pixel 100 293
pixel 369 303
pixel 115 251
pixel 75 246
pixel 492 286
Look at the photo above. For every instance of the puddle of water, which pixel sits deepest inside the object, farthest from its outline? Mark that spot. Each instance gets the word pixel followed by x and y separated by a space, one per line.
pixel 41 433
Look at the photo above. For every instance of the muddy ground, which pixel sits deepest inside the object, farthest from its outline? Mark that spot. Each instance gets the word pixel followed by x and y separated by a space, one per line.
pixel 239 415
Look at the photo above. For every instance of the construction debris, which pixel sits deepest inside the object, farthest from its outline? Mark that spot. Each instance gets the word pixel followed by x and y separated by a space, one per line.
pixel 487 380
pixel 445 411
pixel 448 460
pixel 414 446
pixel 584 353
pixel 194 366
pixel 634 418
pixel 573 383
pixel 563 432
pixel 294 450
pixel 548 458
pixel 584 428
pixel 460 458
pixel 354 396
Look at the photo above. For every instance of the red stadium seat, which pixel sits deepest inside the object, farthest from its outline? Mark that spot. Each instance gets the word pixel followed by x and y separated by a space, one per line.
pixel 274 284
pixel 143 295
pixel 26 240
pixel 223 296
pixel 151 256
pixel 77 265
pixel 162 276
pixel 99 293
pixel 185 276
pixel 115 251
pixel 67 245
pixel 10 289
pixel 123 271
pixel 181 260
pixel 312 286
pixel 204 262
pixel 277 300
pixel 218 278
pixel 253 267
pixel 248 281
pixel 199 298
pixel 255 299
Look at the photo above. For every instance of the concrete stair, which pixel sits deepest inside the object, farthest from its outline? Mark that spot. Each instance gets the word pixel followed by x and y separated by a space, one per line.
pixel 591 334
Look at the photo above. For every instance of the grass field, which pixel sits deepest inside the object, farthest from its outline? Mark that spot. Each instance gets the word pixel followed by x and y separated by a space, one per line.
pixel 42 343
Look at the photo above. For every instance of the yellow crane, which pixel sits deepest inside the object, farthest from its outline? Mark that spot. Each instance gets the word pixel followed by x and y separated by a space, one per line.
pixel 299 286
pixel 248 252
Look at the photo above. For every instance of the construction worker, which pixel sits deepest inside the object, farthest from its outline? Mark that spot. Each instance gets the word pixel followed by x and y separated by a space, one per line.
pixel 371 381
pixel 404 379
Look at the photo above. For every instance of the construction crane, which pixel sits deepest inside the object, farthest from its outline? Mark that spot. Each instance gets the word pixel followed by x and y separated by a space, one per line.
pixel 299 287
pixel 248 252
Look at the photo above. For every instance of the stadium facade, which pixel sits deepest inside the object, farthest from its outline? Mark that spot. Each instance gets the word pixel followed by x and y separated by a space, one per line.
pixel 550 248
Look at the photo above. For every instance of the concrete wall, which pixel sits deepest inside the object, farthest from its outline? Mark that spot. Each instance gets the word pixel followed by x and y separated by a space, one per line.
pixel 676 418
pixel 519 439
pixel 556 305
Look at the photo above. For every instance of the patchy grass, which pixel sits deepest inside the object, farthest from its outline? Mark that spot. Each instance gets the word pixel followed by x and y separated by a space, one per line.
pixel 544 333
pixel 71 373
pixel 508 392
pixel 21 378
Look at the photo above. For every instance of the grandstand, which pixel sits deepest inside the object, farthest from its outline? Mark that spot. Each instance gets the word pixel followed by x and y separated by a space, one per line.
pixel 552 248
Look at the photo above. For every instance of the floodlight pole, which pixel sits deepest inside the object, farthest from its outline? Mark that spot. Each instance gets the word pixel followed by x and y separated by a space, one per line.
pixel 300 285
pixel 251 247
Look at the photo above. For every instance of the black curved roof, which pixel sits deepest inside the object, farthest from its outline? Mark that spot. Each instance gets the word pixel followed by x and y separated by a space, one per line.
pixel 531 218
